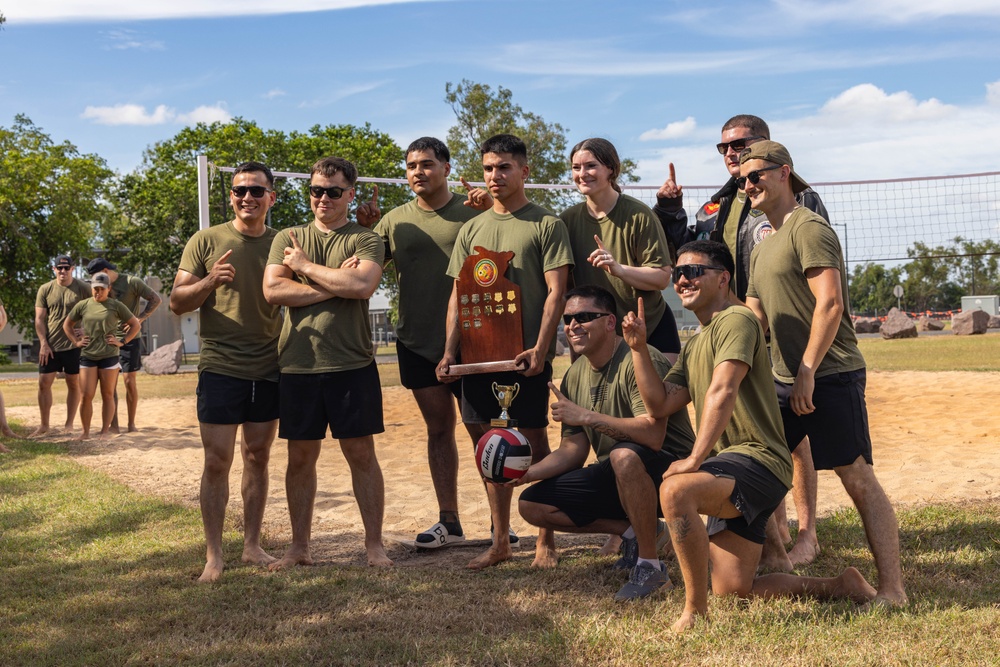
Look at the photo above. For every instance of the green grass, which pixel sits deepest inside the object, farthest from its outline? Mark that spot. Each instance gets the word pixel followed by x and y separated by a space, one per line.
pixel 92 573
pixel 933 353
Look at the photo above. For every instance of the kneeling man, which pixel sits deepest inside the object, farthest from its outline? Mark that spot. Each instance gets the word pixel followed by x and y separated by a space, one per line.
pixel 726 371
pixel 601 409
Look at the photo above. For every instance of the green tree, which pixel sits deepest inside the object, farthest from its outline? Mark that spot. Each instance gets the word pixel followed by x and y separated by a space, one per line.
pixel 928 284
pixel 481 113
pixel 871 287
pixel 51 198
pixel 158 202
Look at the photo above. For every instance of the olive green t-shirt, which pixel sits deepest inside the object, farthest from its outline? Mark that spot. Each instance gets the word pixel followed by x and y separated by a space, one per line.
pixel 58 301
pixel 238 327
pixel 611 390
pixel 336 334
pixel 731 230
pixel 540 243
pixel 98 319
pixel 755 428
pixel 420 242
pixel 129 290
pixel 634 237
pixel 778 278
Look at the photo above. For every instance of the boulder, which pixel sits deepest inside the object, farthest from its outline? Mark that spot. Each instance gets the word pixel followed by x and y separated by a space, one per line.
pixel 166 360
pixel 994 322
pixel 866 325
pixel 970 322
pixel 898 325
pixel 925 323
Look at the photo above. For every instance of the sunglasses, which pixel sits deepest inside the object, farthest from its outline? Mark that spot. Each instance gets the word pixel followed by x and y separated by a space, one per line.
pixel 333 193
pixel 256 191
pixel 753 176
pixel 736 144
pixel 582 318
pixel 692 271
pixel 62 268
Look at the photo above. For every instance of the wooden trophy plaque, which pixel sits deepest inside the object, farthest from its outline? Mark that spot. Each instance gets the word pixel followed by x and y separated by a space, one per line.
pixel 489 315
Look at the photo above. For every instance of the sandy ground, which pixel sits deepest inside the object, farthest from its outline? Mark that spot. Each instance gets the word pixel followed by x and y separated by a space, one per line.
pixel 935 439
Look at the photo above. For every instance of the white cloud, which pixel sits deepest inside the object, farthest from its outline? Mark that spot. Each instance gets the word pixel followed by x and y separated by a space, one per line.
pixel 886 11
pixel 675 130
pixel 121 40
pixel 866 103
pixel 993 93
pixel 134 114
pixel 64 11
pixel 273 93
pixel 348 91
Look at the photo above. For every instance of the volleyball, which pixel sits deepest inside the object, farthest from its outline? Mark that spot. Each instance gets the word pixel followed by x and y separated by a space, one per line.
pixel 502 454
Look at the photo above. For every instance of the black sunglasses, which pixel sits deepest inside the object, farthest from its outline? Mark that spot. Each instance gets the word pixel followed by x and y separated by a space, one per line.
pixel 692 271
pixel 582 318
pixel 736 144
pixel 753 176
pixel 256 191
pixel 333 193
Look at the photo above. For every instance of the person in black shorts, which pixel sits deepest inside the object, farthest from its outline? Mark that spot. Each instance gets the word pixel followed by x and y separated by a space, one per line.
pixel 56 353
pixel 726 372
pixel 540 267
pixel 419 237
pixel 129 290
pixel 601 410
pixel 221 275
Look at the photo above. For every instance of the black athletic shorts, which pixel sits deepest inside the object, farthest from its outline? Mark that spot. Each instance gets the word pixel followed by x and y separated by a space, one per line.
pixel 530 408
pixel 223 399
pixel 416 372
pixel 756 495
pixel 103 364
pixel 665 337
pixel 591 493
pixel 67 361
pixel 349 402
pixel 838 428
pixel 131 356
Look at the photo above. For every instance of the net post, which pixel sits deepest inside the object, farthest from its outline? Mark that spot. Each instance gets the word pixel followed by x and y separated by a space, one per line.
pixel 203 219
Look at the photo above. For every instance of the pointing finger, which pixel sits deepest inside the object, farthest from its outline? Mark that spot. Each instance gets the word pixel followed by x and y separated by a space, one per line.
pixel 599 244
pixel 642 310
pixel 465 183
pixel 225 256
pixel 375 195
pixel 295 241
pixel 559 394
pixel 673 174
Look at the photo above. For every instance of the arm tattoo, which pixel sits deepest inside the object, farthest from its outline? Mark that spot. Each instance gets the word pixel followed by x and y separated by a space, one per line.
pixel 680 527
pixel 610 431
pixel 673 389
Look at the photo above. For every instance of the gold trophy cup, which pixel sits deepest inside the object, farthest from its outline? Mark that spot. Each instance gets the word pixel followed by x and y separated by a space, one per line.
pixel 505 395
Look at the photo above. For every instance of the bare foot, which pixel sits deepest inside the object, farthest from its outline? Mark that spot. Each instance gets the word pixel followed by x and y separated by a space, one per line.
pixel 7 433
pixel 611 547
pixel 257 556
pixel 3 450
pixel 39 432
pixel 545 557
pixel 292 558
pixel 115 430
pixel 495 555
pixel 132 428
pixel 774 563
pixel 884 600
pixel 377 556
pixel 851 584
pixel 686 621
pixel 212 572
pixel 804 552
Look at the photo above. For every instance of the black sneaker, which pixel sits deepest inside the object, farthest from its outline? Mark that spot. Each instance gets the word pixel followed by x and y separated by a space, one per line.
pixel 643 581
pixel 630 554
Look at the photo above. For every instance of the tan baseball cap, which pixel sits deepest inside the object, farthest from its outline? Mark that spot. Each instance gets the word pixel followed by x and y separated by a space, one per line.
pixel 774 152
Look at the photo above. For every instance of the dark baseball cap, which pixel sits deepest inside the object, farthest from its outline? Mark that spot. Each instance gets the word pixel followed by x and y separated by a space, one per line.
pixel 101 280
pixel 774 152
pixel 100 264
pixel 63 260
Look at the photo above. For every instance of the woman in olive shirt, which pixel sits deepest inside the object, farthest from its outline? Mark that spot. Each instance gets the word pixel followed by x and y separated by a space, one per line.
pixel 100 317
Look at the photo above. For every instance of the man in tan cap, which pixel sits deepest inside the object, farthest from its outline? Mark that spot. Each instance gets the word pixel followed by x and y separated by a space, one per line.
pixel 798 278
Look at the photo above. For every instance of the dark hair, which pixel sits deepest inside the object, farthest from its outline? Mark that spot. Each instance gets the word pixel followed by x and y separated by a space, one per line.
pixel 506 143
pixel 605 153
pixel 249 167
pixel 331 166
pixel 756 125
pixel 439 148
pixel 601 297
pixel 717 253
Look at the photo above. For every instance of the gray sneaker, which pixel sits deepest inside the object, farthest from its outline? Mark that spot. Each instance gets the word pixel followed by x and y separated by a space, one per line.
pixel 643 582
pixel 630 554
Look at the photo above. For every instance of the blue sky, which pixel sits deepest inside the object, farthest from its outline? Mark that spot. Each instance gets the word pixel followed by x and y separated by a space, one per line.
pixel 857 89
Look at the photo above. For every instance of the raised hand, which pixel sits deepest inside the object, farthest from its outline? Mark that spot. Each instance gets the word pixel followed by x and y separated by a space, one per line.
pixel 368 213
pixel 476 198
pixel 602 259
pixel 670 189
pixel 565 410
pixel 634 327
pixel 295 258
pixel 222 272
